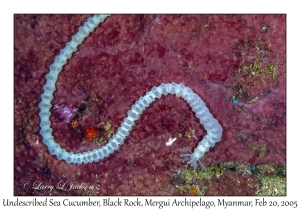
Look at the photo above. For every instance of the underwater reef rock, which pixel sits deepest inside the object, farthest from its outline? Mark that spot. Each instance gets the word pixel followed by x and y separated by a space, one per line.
pixel 235 63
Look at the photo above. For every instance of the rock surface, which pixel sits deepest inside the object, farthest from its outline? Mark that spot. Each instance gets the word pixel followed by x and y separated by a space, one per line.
pixel 235 63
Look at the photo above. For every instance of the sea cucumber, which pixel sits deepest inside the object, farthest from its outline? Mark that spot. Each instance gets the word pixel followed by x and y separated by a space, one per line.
pixel 214 130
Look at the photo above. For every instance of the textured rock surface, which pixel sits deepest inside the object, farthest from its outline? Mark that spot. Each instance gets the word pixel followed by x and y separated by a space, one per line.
pixel 218 56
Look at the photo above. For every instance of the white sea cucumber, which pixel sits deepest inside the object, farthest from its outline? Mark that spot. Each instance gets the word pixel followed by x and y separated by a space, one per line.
pixel 214 130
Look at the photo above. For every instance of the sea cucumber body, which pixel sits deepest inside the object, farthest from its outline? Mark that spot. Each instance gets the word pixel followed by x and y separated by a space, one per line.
pixel 214 130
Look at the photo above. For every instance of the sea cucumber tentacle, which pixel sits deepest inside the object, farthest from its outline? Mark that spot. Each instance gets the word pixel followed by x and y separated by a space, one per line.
pixel 214 130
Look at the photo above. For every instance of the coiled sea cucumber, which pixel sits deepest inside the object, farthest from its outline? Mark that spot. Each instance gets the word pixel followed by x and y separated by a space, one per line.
pixel 214 130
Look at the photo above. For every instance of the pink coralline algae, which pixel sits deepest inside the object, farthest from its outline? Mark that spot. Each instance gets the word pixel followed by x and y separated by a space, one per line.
pixel 65 112
pixel 220 57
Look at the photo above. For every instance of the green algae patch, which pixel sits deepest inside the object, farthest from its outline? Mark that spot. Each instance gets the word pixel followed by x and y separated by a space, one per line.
pixel 256 71
pixel 259 180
